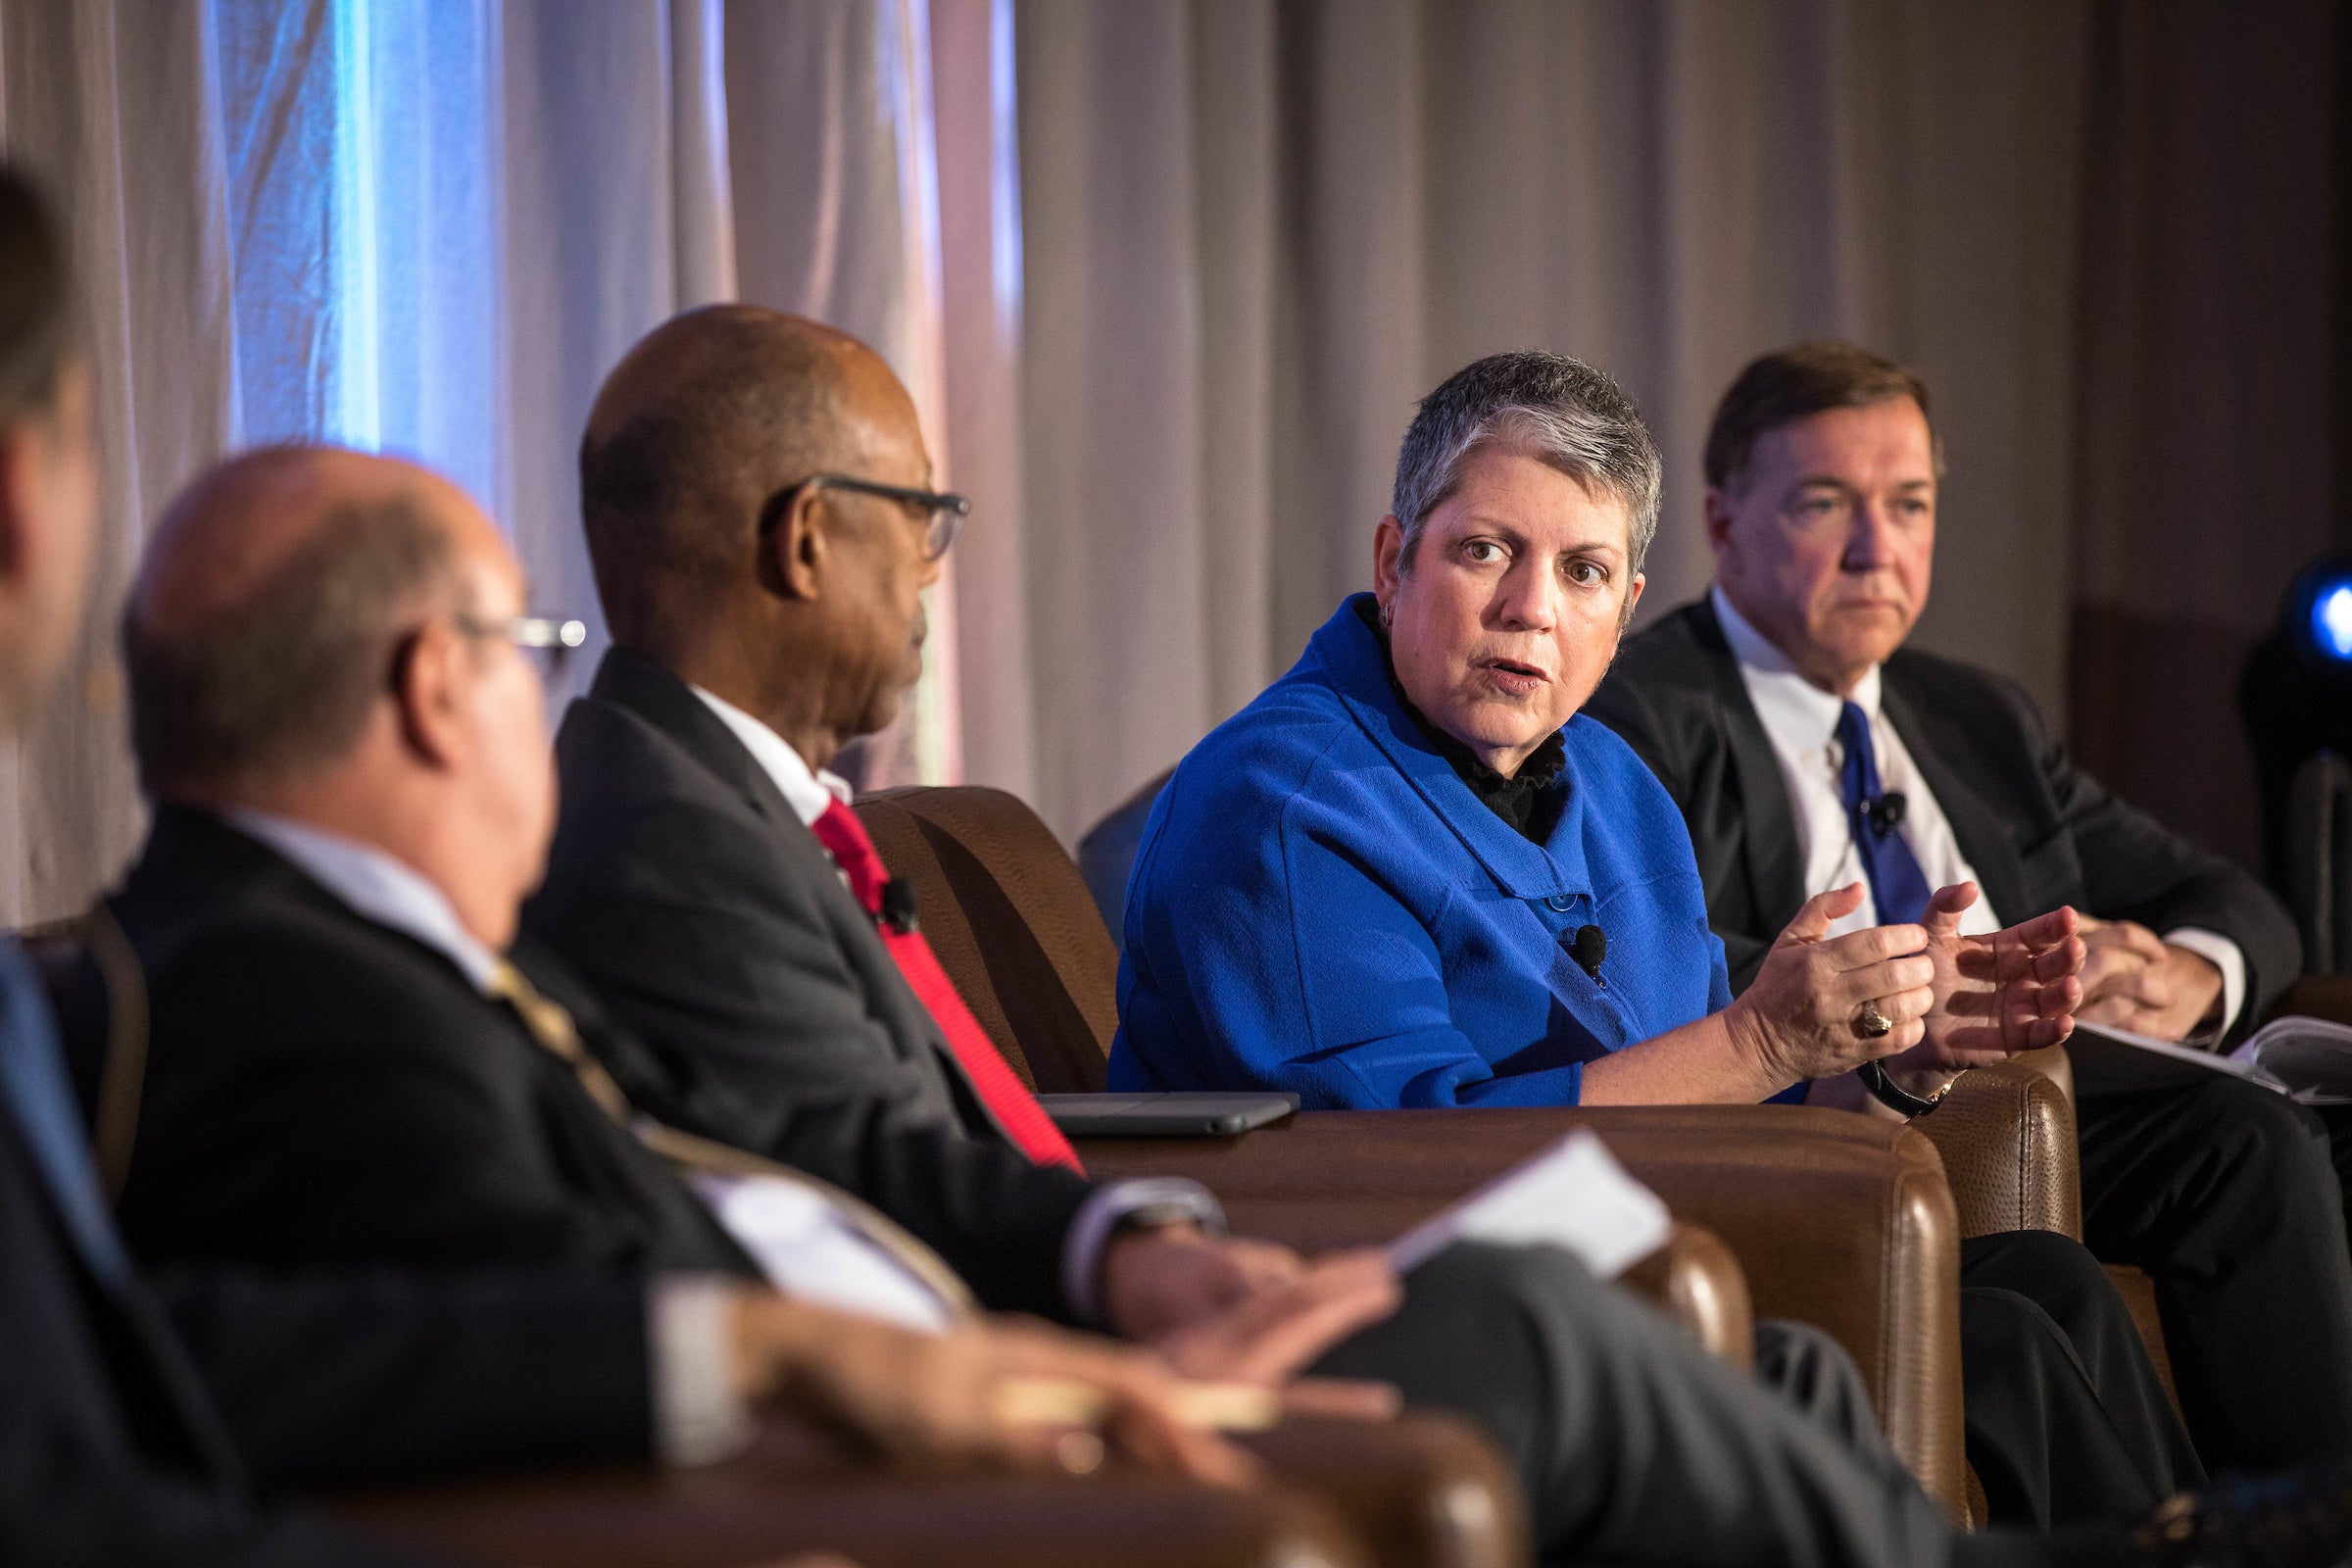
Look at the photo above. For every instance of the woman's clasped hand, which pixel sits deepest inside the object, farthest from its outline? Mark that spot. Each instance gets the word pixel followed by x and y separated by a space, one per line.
pixel 1952 1001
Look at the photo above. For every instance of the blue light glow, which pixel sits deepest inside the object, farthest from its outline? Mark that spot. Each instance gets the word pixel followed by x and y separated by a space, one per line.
pixel 353 247
pixel 2331 620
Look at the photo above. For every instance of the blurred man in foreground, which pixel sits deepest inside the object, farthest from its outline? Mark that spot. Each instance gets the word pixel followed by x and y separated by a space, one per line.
pixel 1807 748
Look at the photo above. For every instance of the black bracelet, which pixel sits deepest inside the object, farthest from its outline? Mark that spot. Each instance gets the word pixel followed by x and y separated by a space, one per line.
pixel 1893 1096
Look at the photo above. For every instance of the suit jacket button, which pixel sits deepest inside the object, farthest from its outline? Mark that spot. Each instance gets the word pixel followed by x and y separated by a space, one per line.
pixel 1559 902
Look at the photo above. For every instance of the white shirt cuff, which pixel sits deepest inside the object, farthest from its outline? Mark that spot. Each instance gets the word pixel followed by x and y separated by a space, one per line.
pixel 1098 1219
pixel 2224 955
pixel 698 1417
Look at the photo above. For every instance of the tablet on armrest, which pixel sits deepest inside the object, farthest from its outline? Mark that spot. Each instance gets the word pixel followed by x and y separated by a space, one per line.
pixel 1170 1115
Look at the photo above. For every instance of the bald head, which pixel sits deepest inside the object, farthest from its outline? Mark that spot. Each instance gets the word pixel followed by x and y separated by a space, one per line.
pixel 268 604
pixel 693 433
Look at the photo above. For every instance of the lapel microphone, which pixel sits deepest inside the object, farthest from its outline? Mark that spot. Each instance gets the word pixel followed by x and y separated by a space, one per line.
pixel 1886 813
pixel 898 904
pixel 1587 947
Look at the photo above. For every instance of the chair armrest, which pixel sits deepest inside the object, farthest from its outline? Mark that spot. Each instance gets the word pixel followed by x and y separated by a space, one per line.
pixel 1425 1491
pixel 2007 1137
pixel 787 1495
pixel 1696 1281
pixel 1838 1220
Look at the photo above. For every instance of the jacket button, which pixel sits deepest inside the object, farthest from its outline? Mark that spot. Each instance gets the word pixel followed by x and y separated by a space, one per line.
pixel 1559 902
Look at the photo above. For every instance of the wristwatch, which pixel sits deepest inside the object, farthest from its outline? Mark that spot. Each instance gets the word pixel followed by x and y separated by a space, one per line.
pixel 1895 1097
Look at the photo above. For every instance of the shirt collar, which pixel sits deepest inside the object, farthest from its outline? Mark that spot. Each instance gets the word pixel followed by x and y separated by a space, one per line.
pixel 807 790
pixel 374 886
pixel 1345 656
pixel 1527 800
pixel 1798 715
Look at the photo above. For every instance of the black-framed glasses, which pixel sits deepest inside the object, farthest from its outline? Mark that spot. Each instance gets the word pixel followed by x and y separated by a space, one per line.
pixel 550 640
pixel 944 511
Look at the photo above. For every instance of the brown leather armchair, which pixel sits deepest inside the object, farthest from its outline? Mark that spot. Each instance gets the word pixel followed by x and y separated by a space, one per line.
pixel 783 1500
pixel 1832 1219
pixel 1422 1492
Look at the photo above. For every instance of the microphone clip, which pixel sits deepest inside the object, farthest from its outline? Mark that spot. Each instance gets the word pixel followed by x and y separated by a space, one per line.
pixel 1587 945
pixel 1886 813
pixel 898 904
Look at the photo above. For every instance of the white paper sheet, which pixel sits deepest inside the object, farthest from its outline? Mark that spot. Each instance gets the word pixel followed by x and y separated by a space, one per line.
pixel 1573 1195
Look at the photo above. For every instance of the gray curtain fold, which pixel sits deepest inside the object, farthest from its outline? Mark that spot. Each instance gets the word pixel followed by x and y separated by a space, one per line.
pixel 2215 342
pixel 1257 233
pixel 434 229
pixel 149 227
pixel 1166 277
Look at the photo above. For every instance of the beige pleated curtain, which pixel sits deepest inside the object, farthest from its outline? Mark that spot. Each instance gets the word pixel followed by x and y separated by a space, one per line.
pixel 1255 233
pixel 1166 279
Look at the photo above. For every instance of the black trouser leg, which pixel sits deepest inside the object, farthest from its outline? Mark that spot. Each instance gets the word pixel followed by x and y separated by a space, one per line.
pixel 1810 1370
pixel 2225 1194
pixel 2067 1421
pixel 2337 1119
pixel 1635 1445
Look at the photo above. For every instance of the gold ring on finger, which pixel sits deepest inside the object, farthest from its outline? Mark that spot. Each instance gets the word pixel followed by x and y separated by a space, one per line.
pixel 1872 1025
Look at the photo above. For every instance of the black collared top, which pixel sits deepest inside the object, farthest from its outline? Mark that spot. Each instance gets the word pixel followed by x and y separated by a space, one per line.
pixel 1530 801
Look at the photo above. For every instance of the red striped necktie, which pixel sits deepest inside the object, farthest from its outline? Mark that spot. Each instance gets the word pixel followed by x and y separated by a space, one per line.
pixel 998 1086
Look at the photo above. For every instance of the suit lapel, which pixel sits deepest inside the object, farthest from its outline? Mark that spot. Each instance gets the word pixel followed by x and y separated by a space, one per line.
pixel 1983 840
pixel 635 683
pixel 644 687
pixel 1776 869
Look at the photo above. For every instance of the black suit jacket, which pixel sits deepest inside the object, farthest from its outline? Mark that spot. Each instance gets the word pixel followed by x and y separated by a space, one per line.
pixel 111 1453
pixel 684 888
pixel 123 1443
pixel 323 1092
pixel 2038 832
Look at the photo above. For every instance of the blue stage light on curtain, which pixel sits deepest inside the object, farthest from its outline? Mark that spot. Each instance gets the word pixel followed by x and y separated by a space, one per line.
pixel 2331 620
pixel 351 234
pixel 364 162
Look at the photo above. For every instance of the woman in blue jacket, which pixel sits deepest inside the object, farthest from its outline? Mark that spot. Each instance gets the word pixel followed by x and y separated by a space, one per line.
pixel 1409 873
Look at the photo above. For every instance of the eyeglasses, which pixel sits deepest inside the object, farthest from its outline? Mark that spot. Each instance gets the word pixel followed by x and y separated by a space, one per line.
pixel 551 640
pixel 944 512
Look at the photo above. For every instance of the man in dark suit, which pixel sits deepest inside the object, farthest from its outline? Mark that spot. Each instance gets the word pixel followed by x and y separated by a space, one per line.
pixel 1808 749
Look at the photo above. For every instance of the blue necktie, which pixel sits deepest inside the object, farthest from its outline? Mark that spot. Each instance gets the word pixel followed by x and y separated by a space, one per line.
pixel 32 1083
pixel 1896 883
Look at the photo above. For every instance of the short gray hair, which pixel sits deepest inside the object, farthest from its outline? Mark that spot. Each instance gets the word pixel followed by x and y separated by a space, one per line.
pixel 1558 411
pixel 284 681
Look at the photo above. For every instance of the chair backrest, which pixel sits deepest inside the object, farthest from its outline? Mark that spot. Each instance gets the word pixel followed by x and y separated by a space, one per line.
pixel 1006 910
pixel 98 995
pixel 2319 861
pixel 1106 854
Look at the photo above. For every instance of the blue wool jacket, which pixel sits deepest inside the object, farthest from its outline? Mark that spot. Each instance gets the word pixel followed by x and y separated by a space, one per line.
pixel 1321 904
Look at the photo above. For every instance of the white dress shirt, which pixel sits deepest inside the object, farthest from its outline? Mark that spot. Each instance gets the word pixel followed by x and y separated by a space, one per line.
pixel 803 1242
pixel 1801 720
pixel 808 791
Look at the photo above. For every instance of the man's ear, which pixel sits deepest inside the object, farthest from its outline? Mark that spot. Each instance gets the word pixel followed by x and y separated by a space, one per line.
pixel 794 549
pixel 1719 519
pixel 1387 558
pixel 430 681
